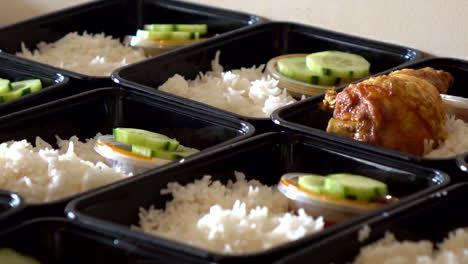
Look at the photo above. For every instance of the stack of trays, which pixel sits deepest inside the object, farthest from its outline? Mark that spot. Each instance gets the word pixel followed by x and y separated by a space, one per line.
pixel 102 220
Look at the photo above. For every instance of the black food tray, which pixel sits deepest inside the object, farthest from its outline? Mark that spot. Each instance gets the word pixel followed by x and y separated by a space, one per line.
pixel 255 46
pixel 117 18
pixel 100 110
pixel 58 240
pixel 52 83
pixel 265 158
pixel 431 217
pixel 306 117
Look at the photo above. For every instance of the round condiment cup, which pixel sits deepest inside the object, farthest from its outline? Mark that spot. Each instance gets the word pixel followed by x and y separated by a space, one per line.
pixel 120 157
pixel 332 209
pixel 457 106
pixel 156 47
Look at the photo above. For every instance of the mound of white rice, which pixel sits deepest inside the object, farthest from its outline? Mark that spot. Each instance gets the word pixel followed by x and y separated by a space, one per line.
pixel 43 174
pixel 247 91
pixel 455 143
pixel 240 217
pixel 95 55
pixel 454 250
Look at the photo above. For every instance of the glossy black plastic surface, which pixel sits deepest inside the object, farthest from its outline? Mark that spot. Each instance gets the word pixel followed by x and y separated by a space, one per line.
pixel 55 240
pixel 10 205
pixel 429 218
pixel 462 161
pixel 306 116
pixel 117 18
pixel 255 46
pixel 100 110
pixel 265 158
pixel 13 70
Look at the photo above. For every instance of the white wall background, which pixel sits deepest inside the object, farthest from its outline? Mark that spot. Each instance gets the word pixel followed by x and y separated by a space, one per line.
pixel 439 27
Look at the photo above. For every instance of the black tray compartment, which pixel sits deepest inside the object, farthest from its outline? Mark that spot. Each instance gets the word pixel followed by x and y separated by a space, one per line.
pixel 100 110
pixel 431 217
pixel 116 18
pixel 265 158
pixel 255 46
pixel 306 117
pixel 52 83
pixel 58 240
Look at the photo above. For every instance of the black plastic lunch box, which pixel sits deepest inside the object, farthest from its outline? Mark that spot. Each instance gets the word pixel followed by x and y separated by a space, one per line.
pixel 265 158
pixel 52 83
pixel 58 240
pixel 431 217
pixel 306 117
pixel 101 110
pixel 255 46
pixel 116 18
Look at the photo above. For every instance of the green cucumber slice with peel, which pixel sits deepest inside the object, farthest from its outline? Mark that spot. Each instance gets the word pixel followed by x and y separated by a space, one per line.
pixel 21 88
pixel 296 69
pixel 338 64
pixel 10 256
pixel 34 84
pixel 145 138
pixel 311 182
pixel 181 152
pixel 200 28
pixel 356 187
pixel 167 35
pixel 5 85
pixel 160 27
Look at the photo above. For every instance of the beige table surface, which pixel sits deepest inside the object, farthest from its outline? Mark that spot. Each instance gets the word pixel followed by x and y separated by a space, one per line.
pixel 439 27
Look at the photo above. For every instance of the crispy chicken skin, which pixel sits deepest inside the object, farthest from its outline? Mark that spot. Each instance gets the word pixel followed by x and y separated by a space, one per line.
pixel 398 111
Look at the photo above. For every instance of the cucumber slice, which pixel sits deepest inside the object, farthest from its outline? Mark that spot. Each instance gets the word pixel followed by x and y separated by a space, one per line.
pixel 10 256
pixel 357 187
pixel 160 27
pixel 163 154
pixel 34 84
pixel 152 140
pixel 163 35
pixel 21 88
pixel 332 189
pixel 311 182
pixel 200 28
pixel 5 85
pixel 185 151
pixel 296 69
pixel 338 64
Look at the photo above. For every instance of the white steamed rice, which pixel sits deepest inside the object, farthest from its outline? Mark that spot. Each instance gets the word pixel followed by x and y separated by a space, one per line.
pixel 455 143
pixel 247 91
pixel 95 55
pixel 43 174
pixel 454 250
pixel 240 217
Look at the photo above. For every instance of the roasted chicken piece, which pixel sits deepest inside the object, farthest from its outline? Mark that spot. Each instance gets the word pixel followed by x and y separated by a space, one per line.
pixel 399 111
